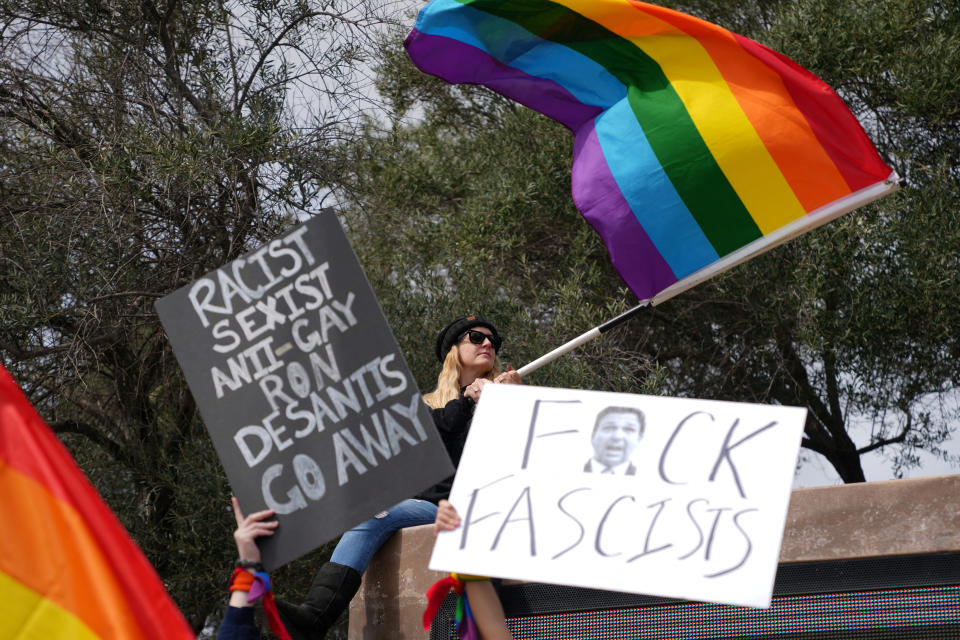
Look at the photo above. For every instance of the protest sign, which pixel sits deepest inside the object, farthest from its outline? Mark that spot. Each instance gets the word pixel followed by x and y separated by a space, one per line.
pixel 661 496
pixel 308 400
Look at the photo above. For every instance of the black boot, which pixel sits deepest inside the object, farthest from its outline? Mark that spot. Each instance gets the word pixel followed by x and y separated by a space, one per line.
pixel 332 589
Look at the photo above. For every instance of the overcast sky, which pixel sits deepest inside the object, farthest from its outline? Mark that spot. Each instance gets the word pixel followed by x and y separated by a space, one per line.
pixel 815 471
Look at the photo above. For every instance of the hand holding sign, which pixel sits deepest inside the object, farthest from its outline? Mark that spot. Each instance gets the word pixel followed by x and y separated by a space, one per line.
pixel 447 517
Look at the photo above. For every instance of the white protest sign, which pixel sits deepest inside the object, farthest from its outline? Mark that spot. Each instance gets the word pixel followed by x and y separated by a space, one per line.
pixel 694 508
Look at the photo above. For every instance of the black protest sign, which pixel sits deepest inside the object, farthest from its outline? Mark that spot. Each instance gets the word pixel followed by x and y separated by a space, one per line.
pixel 310 404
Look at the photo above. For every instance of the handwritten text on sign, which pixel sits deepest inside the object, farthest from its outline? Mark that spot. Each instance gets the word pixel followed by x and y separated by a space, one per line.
pixel 661 496
pixel 309 402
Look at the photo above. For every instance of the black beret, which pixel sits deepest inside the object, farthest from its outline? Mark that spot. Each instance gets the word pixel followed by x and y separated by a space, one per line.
pixel 448 337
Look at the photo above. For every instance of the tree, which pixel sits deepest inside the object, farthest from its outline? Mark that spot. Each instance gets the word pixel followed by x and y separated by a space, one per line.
pixel 143 144
pixel 851 321
pixel 467 199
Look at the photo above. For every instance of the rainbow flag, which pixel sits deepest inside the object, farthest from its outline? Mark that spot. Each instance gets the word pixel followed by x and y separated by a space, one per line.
pixel 68 569
pixel 695 148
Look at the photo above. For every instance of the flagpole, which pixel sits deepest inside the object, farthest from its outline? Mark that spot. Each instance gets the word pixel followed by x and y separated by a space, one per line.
pixel 812 220
pixel 785 233
pixel 596 332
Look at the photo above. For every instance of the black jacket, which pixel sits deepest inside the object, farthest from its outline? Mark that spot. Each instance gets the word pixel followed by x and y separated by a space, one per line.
pixel 453 423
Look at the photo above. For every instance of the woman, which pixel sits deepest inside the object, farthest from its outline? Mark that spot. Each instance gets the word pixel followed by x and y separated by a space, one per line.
pixel 467 348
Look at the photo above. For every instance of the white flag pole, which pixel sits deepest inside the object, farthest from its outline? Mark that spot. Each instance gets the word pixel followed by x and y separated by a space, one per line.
pixel 810 221
pixel 579 340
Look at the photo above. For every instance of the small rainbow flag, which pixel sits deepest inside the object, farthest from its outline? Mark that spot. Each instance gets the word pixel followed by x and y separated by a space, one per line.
pixel 68 569
pixel 695 148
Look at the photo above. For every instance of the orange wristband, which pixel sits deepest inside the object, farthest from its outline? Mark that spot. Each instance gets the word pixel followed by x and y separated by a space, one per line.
pixel 241 580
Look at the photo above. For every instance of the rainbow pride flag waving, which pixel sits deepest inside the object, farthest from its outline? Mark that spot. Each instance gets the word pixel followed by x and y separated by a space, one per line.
pixel 68 569
pixel 695 148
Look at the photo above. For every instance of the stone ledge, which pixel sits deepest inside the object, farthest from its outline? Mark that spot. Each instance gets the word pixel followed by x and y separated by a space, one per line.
pixel 897 517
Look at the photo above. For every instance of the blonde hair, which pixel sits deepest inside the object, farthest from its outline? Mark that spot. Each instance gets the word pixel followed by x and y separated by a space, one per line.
pixel 448 380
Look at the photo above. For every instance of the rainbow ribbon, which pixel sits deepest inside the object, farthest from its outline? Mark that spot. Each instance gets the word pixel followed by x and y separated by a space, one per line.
pixel 463 617
pixel 258 587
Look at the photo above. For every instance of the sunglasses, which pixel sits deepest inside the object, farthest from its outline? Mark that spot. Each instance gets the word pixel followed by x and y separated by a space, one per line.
pixel 477 337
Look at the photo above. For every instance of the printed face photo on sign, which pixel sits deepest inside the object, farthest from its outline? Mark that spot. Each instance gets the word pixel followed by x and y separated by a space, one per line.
pixel 592 438
pixel 616 434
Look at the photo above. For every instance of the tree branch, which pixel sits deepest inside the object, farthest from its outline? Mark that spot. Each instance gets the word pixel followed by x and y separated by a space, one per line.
pixel 91 433
pixel 170 58
pixel 885 441
pixel 830 364
pixel 276 43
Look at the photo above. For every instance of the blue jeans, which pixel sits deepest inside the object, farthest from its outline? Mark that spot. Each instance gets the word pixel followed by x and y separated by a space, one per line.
pixel 358 545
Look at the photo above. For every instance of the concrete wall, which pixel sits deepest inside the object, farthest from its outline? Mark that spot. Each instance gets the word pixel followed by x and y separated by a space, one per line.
pixel 898 517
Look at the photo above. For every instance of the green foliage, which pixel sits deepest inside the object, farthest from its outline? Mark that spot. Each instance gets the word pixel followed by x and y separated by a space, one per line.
pixel 141 146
